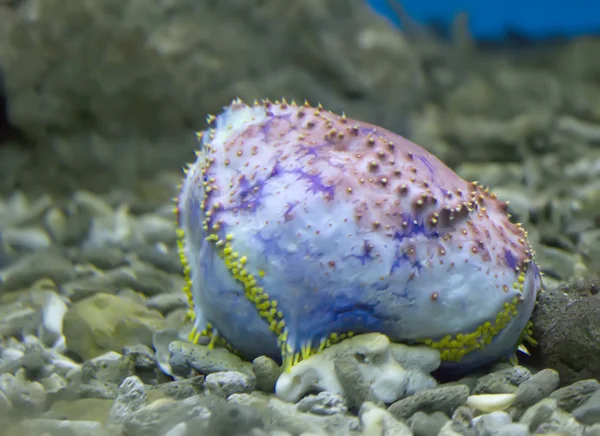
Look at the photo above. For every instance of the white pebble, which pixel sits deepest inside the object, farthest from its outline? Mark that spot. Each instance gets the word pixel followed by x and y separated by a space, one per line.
pixel 491 402
pixel 52 319
pixel 31 238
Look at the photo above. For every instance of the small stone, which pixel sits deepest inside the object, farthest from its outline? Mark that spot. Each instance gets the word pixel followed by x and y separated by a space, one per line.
pixel 44 264
pixel 539 413
pixel 87 409
pixel 180 389
pixel 152 281
pixel 387 380
pixel 102 257
pixel 512 429
pixel 141 356
pixel 356 389
pixel 10 360
pixel 539 386
pixel 163 259
pixel 56 427
pixel 324 403
pixel 153 228
pixel 227 383
pixel 109 368
pixel 492 422
pixel 452 428
pixel 443 399
pixel 166 303
pixel 422 424
pixel 589 412
pixel 205 360
pixel 234 420
pixel 514 375
pixel 266 372
pixel 131 398
pixel 17 319
pixel 161 340
pixel 574 395
pixel 53 313
pixel 561 422
pixel 101 282
pixel 594 430
pixel 491 402
pixel 94 390
pixel 106 322
pixel 180 429
pixel 283 415
pixel 55 223
pixel 26 238
pixel 420 362
pixel 54 384
pixel 162 415
pixel 378 421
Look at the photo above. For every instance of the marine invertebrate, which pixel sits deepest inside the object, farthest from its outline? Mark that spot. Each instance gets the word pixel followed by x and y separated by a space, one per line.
pixel 300 227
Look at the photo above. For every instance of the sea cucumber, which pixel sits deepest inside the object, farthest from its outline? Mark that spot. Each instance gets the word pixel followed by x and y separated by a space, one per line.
pixel 299 227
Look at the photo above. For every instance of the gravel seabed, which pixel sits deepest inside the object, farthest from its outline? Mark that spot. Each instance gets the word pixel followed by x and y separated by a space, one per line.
pixel 90 311
pixel 91 308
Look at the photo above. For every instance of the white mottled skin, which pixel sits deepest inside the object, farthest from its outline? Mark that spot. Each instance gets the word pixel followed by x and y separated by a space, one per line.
pixel 419 282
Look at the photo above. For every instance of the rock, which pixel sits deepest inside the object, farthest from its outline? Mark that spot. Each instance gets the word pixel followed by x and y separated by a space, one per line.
pixel 185 355
pixel 566 325
pixel 157 418
pixel 105 258
pixel 513 429
pixel 226 383
pixel 489 383
pixel 131 398
pixel 561 422
pixel 422 424
pixel 539 413
pixel 589 412
pixel 87 409
pixel 266 372
pixel 490 423
pixel 44 264
pixel 387 380
pixel 574 395
pixel 377 421
pixel 235 420
pixel 491 402
pixel 161 258
pixel 54 385
pixel 19 318
pixel 284 416
pixel 324 403
pixel 105 322
pixel 537 387
pixel 179 389
pixel 166 303
pixel 99 283
pixel 441 399
pixel 53 314
pixel 26 238
pixel 142 358
pixel 109 368
pixel 420 361
pixel 48 426
pixel 161 340
pixel 356 388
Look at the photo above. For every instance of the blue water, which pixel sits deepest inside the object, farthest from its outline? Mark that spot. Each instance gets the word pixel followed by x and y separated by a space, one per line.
pixel 533 19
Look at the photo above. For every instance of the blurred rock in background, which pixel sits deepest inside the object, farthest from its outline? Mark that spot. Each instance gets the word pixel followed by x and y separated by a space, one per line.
pixel 111 90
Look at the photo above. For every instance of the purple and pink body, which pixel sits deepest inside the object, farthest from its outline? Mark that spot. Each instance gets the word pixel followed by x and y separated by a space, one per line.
pixel 300 227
